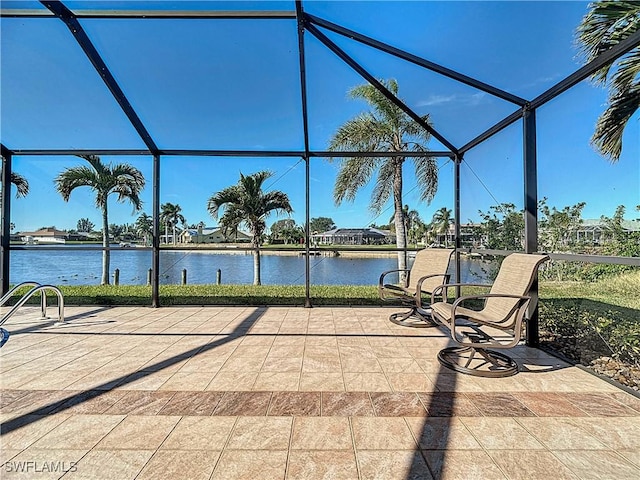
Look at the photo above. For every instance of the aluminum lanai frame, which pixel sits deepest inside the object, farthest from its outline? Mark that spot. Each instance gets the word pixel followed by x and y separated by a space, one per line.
pixel 305 22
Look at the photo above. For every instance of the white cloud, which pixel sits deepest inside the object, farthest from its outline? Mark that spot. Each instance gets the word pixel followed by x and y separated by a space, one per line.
pixel 461 99
pixel 437 100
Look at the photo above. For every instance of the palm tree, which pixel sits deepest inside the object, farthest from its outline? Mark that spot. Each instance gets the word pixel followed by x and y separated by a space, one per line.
pixel 414 225
pixel 440 223
pixel 384 129
pixel 170 215
pixel 104 179
pixel 412 222
pixel 247 203
pixel 607 24
pixel 144 227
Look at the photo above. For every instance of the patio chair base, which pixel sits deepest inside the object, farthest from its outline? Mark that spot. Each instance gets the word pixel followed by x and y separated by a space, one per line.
pixel 478 362
pixel 414 318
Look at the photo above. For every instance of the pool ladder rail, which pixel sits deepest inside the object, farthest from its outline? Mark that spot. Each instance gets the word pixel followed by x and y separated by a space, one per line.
pixel 37 288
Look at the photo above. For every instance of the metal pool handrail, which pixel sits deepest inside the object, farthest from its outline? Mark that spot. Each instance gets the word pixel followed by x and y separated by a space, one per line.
pixel 37 288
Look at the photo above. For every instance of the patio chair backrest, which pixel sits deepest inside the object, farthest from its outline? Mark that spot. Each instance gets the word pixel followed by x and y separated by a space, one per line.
pixel 515 277
pixel 429 261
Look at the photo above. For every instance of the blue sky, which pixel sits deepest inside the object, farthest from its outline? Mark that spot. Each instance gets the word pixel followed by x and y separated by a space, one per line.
pixel 234 85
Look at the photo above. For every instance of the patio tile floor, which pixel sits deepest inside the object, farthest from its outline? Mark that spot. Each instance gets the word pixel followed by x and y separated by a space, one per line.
pixel 291 393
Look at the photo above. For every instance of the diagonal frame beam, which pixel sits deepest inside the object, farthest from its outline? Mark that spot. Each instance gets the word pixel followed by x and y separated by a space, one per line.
pixel 72 23
pixel 472 82
pixel 605 58
pixel 373 81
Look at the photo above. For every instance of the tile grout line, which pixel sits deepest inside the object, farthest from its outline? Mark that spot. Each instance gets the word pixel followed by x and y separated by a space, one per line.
pixel 353 443
pixel 289 448
pixel 224 447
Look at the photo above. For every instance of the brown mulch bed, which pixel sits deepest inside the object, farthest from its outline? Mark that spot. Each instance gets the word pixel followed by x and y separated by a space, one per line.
pixel 625 373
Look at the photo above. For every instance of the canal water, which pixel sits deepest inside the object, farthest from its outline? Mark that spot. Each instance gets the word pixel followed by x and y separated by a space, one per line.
pixel 83 267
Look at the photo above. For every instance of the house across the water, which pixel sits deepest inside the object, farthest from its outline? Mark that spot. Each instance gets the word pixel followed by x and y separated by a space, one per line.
pixel 353 236
pixel 44 235
pixel 211 235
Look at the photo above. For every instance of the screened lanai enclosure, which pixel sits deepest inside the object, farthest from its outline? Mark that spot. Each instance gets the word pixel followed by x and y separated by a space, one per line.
pixel 194 95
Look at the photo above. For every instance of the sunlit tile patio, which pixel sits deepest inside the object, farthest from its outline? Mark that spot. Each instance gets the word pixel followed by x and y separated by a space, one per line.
pixel 276 392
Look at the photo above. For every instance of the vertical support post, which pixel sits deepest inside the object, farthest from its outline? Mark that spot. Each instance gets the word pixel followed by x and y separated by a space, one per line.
pixel 531 216
pixel 457 160
pixel 305 127
pixel 5 226
pixel 155 254
pixel 307 236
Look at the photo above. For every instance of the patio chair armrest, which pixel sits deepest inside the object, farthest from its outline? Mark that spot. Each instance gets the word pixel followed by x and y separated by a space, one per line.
pixel 381 280
pixel 445 276
pixel 445 286
pixel 445 279
pixel 458 301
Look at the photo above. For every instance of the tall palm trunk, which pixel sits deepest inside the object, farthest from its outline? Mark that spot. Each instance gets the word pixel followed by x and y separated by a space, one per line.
pixel 256 262
pixel 105 243
pixel 401 236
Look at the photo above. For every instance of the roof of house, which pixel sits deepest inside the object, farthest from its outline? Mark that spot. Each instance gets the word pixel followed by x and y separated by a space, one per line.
pixel 208 231
pixel 591 223
pixel 205 231
pixel 46 232
pixel 368 232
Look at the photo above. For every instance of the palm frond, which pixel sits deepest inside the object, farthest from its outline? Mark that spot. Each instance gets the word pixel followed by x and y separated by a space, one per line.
pixel 385 108
pixel 75 177
pixel 229 195
pixel 384 185
pixel 277 201
pixel 628 71
pixel 417 132
pixel 607 137
pixel 128 173
pixel 605 25
pixel 21 183
pixel 362 133
pixel 354 174
pixel 96 163
pixel 426 170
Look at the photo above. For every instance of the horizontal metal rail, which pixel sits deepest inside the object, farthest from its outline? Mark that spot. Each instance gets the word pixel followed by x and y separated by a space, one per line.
pixel 156 14
pixel 567 257
pixel 32 292
pixel 223 153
